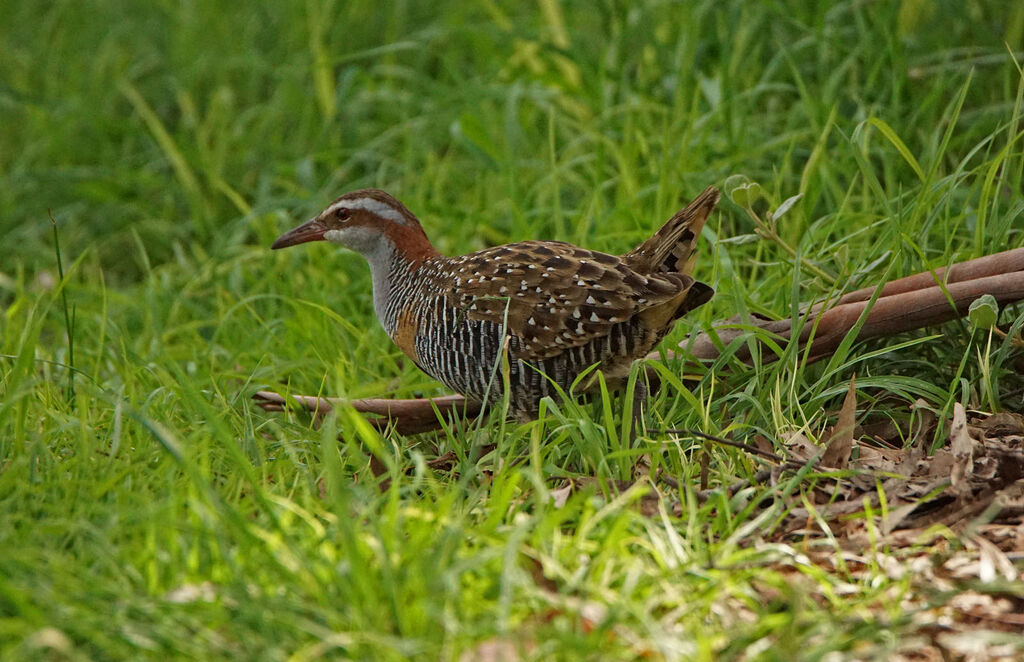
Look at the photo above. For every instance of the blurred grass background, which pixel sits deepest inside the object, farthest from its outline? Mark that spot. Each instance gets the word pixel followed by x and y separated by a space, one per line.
pixel 156 127
pixel 154 514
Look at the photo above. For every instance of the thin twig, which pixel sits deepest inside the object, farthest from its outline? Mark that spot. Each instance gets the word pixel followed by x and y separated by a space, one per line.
pixel 753 450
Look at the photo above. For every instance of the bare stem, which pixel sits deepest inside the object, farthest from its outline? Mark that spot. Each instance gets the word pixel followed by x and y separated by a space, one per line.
pixel 69 314
pixel 769 232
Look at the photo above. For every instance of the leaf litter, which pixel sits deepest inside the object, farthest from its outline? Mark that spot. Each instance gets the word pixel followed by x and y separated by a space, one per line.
pixel 875 497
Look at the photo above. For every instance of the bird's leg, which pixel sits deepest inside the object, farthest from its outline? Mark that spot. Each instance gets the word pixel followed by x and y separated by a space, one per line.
pixel 640 393
pixel 646 383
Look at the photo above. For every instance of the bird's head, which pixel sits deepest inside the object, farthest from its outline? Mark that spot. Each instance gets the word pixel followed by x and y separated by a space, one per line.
pixel 364 221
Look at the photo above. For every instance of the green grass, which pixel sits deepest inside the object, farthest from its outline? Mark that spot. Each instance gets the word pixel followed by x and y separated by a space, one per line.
pixel 173 141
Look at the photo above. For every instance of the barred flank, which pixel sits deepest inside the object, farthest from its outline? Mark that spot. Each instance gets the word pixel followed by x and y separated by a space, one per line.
pixel 464 354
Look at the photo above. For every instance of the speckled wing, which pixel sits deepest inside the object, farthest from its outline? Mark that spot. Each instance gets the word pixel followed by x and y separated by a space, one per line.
pixel 556 296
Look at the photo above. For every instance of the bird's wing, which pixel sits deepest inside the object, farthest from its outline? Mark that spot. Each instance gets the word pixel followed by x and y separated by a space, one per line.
pixel 555 296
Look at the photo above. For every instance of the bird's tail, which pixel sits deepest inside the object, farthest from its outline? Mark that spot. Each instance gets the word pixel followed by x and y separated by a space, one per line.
pixel 672 248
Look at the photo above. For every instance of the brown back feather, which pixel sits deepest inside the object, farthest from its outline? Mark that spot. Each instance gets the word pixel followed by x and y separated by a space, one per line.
pixel 556 295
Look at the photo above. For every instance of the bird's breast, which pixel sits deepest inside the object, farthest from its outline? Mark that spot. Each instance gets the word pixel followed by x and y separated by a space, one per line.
pixel 404 334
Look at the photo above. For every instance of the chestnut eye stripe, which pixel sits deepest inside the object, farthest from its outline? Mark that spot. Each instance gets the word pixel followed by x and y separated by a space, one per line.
pixel 371 205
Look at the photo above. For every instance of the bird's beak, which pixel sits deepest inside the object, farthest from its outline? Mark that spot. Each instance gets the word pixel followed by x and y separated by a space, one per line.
pixel 311 230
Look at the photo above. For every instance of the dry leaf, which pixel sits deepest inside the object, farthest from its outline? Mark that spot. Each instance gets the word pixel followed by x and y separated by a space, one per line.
pixel 1003 424
pixel 799 447
pixel 963 452
pixel 560 496
pixel 940 464
pixel 879 459
pixel 992 561
pixel 840 442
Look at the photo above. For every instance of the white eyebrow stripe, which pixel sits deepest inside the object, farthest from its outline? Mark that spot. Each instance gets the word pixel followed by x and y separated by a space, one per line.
pixel 371 205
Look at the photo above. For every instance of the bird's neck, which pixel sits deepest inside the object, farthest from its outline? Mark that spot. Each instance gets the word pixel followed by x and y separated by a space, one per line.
pixel 393 268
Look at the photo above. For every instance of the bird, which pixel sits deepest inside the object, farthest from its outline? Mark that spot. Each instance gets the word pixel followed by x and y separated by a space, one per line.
pixel 530 315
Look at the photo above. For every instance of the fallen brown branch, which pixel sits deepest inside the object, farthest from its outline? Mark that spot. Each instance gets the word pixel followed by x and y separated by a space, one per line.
pixel 902 305
pixel 407 416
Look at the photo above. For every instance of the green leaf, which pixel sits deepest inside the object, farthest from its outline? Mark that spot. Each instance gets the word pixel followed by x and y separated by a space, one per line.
pixel 786 205
pixel 898 143
pixel 745 193
pixel 984 312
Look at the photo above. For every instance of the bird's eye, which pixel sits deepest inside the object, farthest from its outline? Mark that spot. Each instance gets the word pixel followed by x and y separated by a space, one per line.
pixel 343 214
